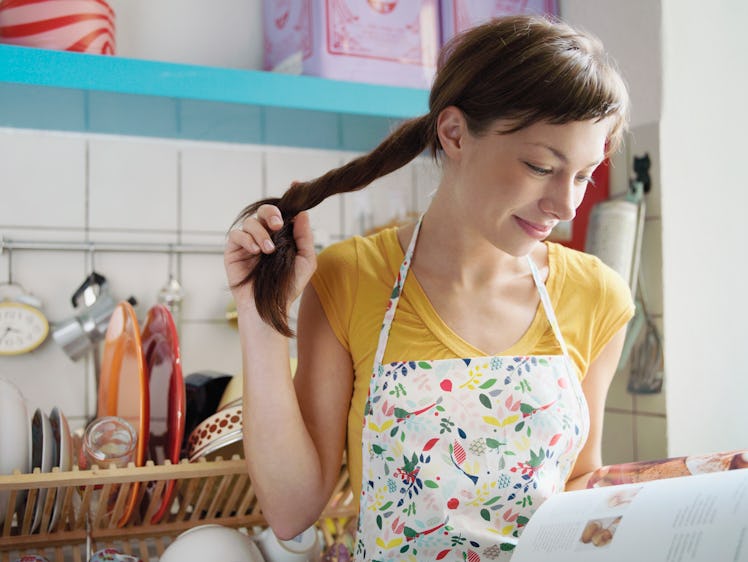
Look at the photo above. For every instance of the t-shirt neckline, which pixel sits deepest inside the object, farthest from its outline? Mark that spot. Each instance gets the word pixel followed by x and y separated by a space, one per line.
pixel 453 341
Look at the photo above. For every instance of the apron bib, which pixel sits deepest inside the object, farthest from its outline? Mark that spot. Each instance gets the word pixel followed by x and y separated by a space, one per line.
pixel 459 453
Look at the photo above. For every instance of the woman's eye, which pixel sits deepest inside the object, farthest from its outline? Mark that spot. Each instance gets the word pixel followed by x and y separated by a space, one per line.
pixel 587 180
pixel 538 169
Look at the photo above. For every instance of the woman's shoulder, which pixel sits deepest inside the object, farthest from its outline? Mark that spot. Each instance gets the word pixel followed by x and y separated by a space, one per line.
pixel 588 287
pixel 592 301
pixel 585 272
pixel 374 251
pixel 360 265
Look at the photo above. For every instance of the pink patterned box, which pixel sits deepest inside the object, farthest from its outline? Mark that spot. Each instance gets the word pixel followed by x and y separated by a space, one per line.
pixel 391 42
pixel 457 15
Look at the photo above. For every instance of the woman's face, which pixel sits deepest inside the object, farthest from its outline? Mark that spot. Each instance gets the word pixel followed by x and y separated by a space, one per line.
pixel 514 188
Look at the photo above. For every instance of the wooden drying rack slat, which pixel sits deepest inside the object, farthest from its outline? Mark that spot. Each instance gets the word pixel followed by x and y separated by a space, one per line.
pixel 116 475
pixel 205 492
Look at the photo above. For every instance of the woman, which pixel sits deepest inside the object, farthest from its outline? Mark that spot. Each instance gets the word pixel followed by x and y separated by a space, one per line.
pixel 464 361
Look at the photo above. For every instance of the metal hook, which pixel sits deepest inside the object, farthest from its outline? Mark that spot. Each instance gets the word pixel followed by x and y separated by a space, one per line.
pixel 171 261
pixel 172 293
pixel 10 265
pixel 91 257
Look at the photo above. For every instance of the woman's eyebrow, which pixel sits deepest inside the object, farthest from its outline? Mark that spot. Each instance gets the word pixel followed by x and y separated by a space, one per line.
pixel 557 153
pixel 560 155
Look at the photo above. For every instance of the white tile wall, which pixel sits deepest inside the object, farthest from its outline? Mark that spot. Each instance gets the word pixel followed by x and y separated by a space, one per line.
pixel 206 293
pixel 209 346
pixel 47 378
pixel 618 438
pixel 217 182
pixel 133 185
pixel 618 397
pixel 651 433
pixel 42 180
pixel 388 198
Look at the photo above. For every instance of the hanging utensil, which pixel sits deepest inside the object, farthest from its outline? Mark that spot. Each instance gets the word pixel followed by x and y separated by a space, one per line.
pixel 172 293
pixel 95 305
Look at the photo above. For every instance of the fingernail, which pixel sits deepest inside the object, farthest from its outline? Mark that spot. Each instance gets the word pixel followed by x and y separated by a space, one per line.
pixel 268 245
pixel 276 221
pixel 255 248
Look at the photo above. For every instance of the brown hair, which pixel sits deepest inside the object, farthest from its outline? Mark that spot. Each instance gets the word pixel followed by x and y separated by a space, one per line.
pixel 523 68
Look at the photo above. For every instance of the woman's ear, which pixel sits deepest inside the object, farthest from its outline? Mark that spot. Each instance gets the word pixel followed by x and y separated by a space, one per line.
pixel 451 128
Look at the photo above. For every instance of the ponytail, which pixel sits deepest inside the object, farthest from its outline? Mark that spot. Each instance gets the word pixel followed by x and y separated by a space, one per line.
pixel 272 276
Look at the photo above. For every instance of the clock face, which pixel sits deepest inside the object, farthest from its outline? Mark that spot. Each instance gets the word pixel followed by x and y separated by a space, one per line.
pixel 22 328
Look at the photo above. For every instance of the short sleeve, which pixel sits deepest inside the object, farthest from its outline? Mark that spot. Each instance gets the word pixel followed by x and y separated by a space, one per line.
pixel 336 284
pixel 614 309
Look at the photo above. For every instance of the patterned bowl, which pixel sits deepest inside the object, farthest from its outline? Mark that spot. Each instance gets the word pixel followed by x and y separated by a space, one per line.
pixel 218 435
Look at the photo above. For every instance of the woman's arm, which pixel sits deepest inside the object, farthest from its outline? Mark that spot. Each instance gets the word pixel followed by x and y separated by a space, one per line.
pixel 293 429
pixel 595 386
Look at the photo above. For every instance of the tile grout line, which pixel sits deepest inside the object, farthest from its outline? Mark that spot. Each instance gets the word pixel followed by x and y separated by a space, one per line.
pixel 613 410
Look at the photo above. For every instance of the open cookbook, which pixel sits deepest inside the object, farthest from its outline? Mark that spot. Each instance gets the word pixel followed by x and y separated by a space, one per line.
pixel 679 509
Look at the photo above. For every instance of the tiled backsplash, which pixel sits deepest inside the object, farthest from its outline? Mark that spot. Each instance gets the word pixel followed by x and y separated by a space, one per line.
pixel 65 187
pixel 60 187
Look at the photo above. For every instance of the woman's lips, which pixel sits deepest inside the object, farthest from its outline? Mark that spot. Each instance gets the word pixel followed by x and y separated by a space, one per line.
pixel 537 231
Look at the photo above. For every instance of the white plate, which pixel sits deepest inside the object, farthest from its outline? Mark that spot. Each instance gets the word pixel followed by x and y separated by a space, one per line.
pixel 64 459
pixel 43 455
pixel 15 449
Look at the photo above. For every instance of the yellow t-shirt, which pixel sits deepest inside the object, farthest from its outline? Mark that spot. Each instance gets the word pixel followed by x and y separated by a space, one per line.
pixel 354 279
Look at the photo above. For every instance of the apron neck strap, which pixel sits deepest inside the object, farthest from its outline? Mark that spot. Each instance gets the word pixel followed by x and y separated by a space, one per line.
pixel 545 299
pixel 397 290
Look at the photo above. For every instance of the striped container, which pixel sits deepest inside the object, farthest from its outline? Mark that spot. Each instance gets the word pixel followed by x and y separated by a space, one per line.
pixel 85 26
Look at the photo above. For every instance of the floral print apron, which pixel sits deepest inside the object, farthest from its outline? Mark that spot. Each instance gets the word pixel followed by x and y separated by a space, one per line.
pixel 459 453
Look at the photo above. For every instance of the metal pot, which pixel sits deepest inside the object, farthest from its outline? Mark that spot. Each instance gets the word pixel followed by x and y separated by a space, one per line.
pixel 79 334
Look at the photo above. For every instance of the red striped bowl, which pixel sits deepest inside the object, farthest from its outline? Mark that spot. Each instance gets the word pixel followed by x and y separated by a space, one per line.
pixel 86 26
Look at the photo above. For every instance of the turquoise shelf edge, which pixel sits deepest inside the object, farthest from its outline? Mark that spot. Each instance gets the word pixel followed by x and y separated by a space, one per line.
pixel 58 90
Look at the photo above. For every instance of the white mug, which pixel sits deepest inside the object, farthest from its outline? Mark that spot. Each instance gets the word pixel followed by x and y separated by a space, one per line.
pixel 304 547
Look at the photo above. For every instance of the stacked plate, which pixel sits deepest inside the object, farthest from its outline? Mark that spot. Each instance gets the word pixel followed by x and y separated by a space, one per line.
pixel 15 441
pixel 28 442
pixel 141 381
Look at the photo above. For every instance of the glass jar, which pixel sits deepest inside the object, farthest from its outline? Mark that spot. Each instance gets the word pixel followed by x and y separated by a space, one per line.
pixel 107 441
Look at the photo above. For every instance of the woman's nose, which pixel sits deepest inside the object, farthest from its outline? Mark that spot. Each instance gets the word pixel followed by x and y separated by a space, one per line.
pixel 562 199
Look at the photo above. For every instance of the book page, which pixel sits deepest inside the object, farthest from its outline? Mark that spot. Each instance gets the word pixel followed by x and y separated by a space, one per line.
pixel 643 471
pixel 686 519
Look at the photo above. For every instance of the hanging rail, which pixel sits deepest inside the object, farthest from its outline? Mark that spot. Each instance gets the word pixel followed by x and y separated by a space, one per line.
pixel 141 247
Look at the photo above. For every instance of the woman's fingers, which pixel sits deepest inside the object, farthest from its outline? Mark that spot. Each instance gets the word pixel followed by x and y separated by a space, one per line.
pixel 270 216
pixel 254 237
pixel 240 239
pixel 256 228
pixel 302 233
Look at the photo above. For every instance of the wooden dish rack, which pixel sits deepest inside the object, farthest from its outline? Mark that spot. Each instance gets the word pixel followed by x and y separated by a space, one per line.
pixel 217 491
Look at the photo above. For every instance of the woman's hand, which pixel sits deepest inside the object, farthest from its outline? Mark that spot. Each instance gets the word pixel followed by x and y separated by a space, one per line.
pixel 246 244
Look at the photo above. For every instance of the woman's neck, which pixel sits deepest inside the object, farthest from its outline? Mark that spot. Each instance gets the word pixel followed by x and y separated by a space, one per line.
pixel 461 256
